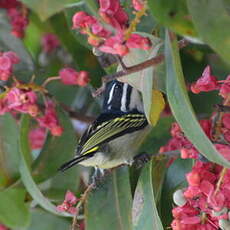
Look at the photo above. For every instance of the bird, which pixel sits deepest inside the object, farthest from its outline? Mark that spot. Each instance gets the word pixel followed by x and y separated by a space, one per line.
pixel 115 136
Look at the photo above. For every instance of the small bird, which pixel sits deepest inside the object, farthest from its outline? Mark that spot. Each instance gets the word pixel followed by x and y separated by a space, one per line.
pixel 115 136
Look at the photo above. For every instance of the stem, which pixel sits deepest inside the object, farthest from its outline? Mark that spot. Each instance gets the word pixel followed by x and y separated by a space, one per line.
pixel 136 20
pixel 32 78
pixel 218 123
pixel 135 68
pixel 80 203
pixel 222 174
pixel 48 80
pixel 76 115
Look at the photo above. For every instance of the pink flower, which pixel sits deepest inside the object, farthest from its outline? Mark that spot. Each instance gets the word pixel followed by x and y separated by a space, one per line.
pixel 138 4
pixel 50 42
pixel 191 220
pixel 205 83
pixel 37 137
pixel 189 153
pixel 83 78
pixel 137 41
pixel 18 21
pixel 69 76
pixel 83 20
pixel 68 203
pixel 226 120
pixel 114 45
pixel 7 59
pixel 224 150
pixel 193 178
pixel 225 88
pixel 22 101
pixel 5 63
pixel 216 201
pixel 3 227
pixel 49 120
pixel 206 126
pixel 12 56
pixel 109 6
pixel 3 107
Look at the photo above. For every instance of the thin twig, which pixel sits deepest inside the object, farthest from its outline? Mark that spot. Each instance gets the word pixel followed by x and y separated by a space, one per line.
pixel 48 80
pixel 76 115
pixel 135 68
pixel 75 225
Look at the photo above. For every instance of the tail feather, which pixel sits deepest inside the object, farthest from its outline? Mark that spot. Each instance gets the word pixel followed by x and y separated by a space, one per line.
pixel 73 162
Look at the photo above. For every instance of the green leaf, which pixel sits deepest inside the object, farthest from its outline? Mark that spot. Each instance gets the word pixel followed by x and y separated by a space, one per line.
pixel 144 80
pixel 173 14
pixel 8 42
pixel 13 211
pixel 145 214
pixel 181 106
pixel 158 175
pixel 212 19
pixel 45 8
pixel 49 221
pixel 174 179
pixel 25 170
pixel 56 151
pixel 109 205
pixel 9 153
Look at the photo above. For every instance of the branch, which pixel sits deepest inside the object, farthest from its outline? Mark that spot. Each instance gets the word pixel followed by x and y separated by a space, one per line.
pixel 135 68
pixel 76 115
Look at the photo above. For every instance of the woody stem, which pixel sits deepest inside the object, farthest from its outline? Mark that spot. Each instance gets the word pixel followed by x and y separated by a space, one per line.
pixel 48 80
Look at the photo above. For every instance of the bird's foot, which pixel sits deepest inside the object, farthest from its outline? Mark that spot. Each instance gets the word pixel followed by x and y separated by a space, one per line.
pixel 98 176
pixel 141 159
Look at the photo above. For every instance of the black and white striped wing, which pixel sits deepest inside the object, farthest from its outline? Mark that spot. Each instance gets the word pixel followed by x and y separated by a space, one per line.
pixel 109 130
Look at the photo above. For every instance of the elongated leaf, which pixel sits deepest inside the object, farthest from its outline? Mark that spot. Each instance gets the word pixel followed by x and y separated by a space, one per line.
pixel 173 14
pixel 13 211
pixel 156 107
pixel 181 106
pixel 57 150
pixel 9 153
pixel 109 205
pixel 45 8
pixel 212 20
pixel 158 175
pixel 25 170
pixel 49 221
pixel 145 215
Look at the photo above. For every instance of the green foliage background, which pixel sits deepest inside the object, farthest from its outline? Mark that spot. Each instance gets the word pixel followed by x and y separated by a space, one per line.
pixel 128 198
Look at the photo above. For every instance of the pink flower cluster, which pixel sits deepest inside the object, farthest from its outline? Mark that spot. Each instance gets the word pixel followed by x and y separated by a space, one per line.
pixel 37 137
pixel 180 142
pixel 7 60
pixel 3 227
pixel 111 38
pixel 207 82
pixel 49 120
pixel 70 76
pixel 21 100
pixel 205 203
pixel 17 14
pixel 68 204
pixel 50 42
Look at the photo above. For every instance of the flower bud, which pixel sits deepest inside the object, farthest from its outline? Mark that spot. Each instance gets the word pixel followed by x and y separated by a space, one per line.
pixel 178 198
